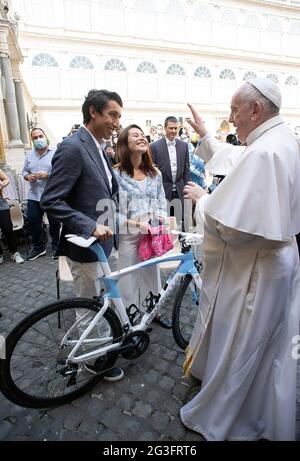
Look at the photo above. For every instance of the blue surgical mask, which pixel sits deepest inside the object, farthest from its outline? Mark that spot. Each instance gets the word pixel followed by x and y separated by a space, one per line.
pixel 40 143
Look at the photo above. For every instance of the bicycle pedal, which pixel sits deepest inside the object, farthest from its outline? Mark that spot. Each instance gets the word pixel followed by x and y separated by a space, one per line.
pixel 149 329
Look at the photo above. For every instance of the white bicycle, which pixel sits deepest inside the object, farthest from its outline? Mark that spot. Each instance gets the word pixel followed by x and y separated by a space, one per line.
pixel 47 350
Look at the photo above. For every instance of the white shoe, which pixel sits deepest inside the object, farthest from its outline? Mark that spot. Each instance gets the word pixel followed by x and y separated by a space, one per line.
pixel 1 259
pixel 17 258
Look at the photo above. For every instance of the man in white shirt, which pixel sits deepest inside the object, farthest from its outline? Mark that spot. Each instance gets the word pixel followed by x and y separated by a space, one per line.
pixel 242 345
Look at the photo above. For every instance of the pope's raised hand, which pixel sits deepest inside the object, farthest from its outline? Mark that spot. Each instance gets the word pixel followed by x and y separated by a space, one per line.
pixel 196 122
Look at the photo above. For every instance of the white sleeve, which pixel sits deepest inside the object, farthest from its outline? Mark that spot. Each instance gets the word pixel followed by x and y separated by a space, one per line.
pixel 208 146
pixel 199 215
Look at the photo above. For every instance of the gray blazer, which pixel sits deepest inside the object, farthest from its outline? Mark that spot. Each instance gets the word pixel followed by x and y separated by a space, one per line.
pixel 76 184
pixel 161 159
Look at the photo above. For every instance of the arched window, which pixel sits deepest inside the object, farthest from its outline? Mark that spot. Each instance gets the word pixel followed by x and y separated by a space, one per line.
pixel 112 4
pixel 229 18
pixel 81 62
pixel 146 6
pixel 291 81
pixel 202 72
pixel 295 28
pixel 174 8
pixel 275 24
pixel 44 60
pixel 252 21
pixel 227 74
pixel 273 77
pixel 203 13
pixel 146 67
pixel 115 65
pixel 249 75
pixel 175 69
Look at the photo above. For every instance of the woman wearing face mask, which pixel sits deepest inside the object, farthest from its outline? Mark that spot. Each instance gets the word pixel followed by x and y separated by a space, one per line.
pixel 36 170
pixel 141 198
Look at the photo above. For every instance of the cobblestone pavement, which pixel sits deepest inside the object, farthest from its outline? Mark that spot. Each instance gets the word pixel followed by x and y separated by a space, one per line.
pixel 143 406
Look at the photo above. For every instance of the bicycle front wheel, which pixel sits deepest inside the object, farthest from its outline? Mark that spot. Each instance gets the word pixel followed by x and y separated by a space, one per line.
pixel 185 311
pixel 35 373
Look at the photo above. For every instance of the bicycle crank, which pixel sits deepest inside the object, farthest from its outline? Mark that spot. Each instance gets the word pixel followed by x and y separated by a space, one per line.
pixel 137 343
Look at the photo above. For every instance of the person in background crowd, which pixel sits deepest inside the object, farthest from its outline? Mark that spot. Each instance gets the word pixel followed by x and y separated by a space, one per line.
pixel 159 132
pixel 242 344
pixel 6 224
pixel 232 139
pixel 36 171
pixel 153 136
pixel 171 156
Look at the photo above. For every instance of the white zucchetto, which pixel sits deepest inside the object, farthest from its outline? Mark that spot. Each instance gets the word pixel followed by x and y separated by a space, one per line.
pixel 267 88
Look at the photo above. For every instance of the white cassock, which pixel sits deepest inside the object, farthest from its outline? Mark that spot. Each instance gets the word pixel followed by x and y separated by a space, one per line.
pixel 241 348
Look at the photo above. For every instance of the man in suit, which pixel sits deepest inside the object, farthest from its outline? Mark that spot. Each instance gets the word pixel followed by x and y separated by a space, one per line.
pixel 81 177
pixel 171 156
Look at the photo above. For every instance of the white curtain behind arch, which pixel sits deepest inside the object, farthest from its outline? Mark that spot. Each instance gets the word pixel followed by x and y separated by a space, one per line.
pixel 45 15
pixel 171 22
pixel 292 43
pixel 77 14
pixel 81 81
pixel 200 26
pixel 109 17
pixel 142 19
pixel 272 41
pixel 227 30
pixel 250 33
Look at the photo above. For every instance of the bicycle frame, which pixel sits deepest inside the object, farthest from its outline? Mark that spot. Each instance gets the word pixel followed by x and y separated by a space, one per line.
pixel 186 266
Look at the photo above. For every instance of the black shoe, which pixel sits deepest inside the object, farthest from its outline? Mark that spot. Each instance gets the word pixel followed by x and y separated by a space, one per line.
pixel 54 255
pixel 35 254
pixel 163 323
pixel 114 374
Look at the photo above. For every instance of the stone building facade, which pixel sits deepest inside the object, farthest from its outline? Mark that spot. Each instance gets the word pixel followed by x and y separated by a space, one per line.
pixel 158 54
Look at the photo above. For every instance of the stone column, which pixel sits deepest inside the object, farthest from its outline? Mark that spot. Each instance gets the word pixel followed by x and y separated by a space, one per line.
pixel 21 110
pixel 2 150
pixel 10 101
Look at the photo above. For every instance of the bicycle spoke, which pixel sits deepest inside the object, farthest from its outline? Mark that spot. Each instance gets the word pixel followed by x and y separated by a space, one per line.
pixel 36 369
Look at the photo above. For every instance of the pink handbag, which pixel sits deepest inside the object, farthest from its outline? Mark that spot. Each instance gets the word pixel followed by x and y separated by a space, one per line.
pixel 145 247
pixel 161 240
pixel 156 243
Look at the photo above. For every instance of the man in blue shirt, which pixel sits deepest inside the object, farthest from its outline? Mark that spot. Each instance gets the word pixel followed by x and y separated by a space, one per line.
pixel 36 170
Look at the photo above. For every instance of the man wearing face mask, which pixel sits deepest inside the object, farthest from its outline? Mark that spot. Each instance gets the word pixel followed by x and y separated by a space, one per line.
pixel 36 170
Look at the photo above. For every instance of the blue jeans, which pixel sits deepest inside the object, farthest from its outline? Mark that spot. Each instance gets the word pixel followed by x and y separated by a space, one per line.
pixel 35 219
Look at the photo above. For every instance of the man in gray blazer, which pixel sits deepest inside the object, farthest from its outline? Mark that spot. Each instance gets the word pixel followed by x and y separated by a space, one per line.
pixel 171 156
pixel 82 177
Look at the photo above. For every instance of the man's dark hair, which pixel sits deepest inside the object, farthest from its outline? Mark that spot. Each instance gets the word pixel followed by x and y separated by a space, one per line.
pixel 170 119
pixel 37 128
pixel 98 99
pixel 232 139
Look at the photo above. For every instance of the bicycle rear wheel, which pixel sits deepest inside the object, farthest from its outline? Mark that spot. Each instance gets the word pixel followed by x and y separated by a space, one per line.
pixel 34 373
pixel 185 311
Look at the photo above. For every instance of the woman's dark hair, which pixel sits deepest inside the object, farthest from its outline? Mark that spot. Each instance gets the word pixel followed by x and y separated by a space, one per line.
pixel 124 157
pixel 98 99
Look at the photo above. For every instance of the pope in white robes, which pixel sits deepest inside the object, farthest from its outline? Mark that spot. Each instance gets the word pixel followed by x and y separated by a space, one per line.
pixel 242 345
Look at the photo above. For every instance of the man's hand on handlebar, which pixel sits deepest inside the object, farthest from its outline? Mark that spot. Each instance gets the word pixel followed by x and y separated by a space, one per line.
pixel 103 233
